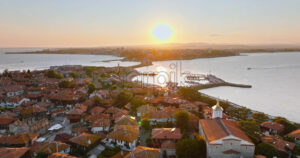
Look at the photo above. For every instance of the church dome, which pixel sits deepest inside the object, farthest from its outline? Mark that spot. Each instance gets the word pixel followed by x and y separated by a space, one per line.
pixel 217 107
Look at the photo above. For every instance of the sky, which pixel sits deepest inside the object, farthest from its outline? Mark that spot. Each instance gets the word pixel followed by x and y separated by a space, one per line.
pixel 91 23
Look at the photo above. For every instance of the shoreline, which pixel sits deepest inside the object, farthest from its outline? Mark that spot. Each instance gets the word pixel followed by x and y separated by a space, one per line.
pixel 234 105
pixel 155 55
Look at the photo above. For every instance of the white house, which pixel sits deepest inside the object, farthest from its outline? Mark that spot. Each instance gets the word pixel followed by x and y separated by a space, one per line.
pixel 124 136
pixel 14 102
pixel 101 125
pixel 225 139
pixel 13 90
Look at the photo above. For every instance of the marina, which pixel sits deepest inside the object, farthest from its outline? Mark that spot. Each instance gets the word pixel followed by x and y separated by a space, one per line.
pixel 211 81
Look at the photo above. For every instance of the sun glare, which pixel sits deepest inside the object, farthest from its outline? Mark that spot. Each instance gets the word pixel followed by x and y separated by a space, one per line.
pixel 162 33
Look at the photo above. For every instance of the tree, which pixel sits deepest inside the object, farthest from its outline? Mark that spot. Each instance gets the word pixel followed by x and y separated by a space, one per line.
pixel 113 87
pixel 202 143
pixel 6 73
pixel 67 84
pixel 240 113
pixel 296 151
pixel 89 70
pixel 2 108
pixel 41 155
pixel 267 150
pixel 91 88
pixel 135 103
pixel 251 129
pixel 187 148
pixel 59 76
pixel 53 74
pixel 74 74
pixel 190 94
pixel 260 117
pixel 288 126
pixel 122 98
pixel 97 101
pixel 182 120
pixel 149 142
pixel 145 124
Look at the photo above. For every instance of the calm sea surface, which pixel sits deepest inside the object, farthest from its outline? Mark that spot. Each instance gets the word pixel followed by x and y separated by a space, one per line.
pixel 44 61
pixel 275 77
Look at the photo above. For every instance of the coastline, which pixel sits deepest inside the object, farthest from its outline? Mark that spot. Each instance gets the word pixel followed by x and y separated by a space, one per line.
pixel 153 55
pixel 141 65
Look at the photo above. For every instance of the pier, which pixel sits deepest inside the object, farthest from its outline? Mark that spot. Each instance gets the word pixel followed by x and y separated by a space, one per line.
pixel 213 81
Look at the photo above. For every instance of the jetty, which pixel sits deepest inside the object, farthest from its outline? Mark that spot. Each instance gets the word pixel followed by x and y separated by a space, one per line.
pixel 212 80
pixel 212 85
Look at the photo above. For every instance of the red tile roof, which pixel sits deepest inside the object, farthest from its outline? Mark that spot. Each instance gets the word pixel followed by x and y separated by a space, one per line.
pixel 63 137
pixel 13 152
pixel 216 129
pixel 96 117
pixel 17 139
pixel 127 133
pixel 85 139
pixel 96 110
pixel 7 120
pixel 272 125
pixel 51 147
pixel 33 109
pixel 60 155
pixel 144 152
pixel 75 112
pixel 166 133
pixel 13 88
pixel 278 143
pixel 101 123
pixel 295 134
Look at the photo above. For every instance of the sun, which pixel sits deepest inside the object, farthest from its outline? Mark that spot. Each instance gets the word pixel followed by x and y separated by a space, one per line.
pixel 162 33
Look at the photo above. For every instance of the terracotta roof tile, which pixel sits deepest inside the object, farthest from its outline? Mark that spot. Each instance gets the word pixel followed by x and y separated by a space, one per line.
pixel 166 133
pixel 13 152
pixel 126 133
pixel 60 155
pixel 96 117
pixel 126 120
pixel 216 129
pixel 101 123
pixel 212 130
pixel 7 120
pixel 278 143
pixel 63 137
pixel 272 125
pixel 96 110
pixel 144 152
pixel 17 139
pixel 295 134
pixel 76 112
pixel 85 139
pixel 52 147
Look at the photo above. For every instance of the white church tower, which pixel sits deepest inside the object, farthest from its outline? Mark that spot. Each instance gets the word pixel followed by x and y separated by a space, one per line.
pixel 217 111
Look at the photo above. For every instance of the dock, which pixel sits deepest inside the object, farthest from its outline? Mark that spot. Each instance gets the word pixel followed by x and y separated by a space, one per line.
pixel 213 81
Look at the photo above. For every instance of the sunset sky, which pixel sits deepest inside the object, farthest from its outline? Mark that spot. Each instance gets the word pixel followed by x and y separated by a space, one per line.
pixel 86 23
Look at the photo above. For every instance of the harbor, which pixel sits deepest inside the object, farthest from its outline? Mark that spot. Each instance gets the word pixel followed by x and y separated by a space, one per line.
pixel 201 81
